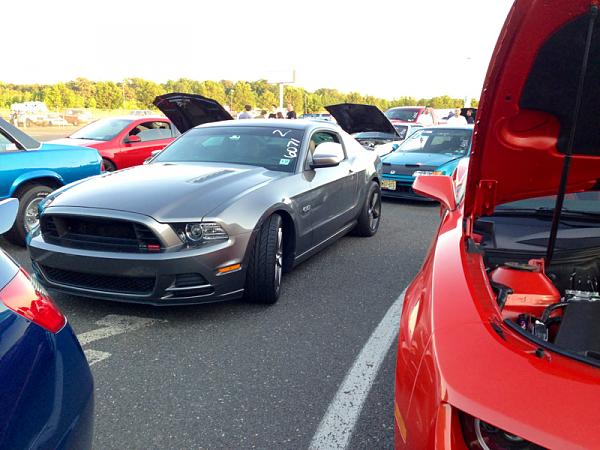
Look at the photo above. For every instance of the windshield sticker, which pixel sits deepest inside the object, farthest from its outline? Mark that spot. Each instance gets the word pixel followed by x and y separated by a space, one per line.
pixel 235 137
pixel 284 162
pixel 292 148
pixel 281 133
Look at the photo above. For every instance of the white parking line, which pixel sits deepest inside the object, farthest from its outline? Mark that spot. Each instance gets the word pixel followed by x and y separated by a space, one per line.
pixel 94 356
pixel 112 325
pixel 335 429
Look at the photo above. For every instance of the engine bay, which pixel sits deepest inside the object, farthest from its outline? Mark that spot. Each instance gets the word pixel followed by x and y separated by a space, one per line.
pixel 558 304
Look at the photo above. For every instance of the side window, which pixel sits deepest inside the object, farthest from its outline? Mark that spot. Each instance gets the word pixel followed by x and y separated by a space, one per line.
pixel 152 131
pixel 6 145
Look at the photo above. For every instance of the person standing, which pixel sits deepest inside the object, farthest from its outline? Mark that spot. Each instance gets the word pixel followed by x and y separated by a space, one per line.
pixel 427 117
pixel 457 118
pixel 470 117
pixel 291 114
pixel 246 114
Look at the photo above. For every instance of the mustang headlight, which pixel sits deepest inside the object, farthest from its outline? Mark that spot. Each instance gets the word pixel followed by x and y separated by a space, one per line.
pixel 199 232
pixel 483 436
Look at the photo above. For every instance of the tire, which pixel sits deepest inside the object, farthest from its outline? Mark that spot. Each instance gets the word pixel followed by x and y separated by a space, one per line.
pixel 265 265
pixel 109 166
pixel 370 215
pixel 29 197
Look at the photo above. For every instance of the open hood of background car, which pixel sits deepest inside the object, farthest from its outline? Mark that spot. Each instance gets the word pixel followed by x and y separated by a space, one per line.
pixel 525 115
pixel 189 110
pixel 15 135
pixel 357 118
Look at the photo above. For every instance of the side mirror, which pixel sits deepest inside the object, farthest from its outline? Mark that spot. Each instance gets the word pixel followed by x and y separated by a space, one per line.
pixel 132 139
pixel 8 213
pixel 437 187
pixel 327 154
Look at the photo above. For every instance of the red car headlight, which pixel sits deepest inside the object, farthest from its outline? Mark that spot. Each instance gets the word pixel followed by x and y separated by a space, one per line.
pixel 480 435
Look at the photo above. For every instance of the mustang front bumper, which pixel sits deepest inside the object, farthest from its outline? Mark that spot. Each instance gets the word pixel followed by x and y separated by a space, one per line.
pixel 181 277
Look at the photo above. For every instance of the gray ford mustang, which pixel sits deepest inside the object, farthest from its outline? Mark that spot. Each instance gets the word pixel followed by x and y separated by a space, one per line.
pixel 219 214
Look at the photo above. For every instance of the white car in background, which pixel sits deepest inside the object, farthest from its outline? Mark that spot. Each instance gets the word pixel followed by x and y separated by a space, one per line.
pixel 404 130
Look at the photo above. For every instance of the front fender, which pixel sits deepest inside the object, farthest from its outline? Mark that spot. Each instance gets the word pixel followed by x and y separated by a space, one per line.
pixel 33 175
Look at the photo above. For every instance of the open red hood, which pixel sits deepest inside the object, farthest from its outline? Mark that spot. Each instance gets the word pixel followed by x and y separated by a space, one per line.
pixel 525 116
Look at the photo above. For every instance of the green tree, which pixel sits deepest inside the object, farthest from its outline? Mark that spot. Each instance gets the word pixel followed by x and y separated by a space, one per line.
pixel 267 100
pixel 214 90
pixel 242 95
pixel 144 91
pixel 108 95
pixel 295 96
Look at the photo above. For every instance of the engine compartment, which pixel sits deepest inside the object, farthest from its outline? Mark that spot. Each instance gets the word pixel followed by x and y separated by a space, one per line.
pixel 558 304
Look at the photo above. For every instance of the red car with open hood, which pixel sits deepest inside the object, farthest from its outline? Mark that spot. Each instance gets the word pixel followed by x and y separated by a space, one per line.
pixel 499 344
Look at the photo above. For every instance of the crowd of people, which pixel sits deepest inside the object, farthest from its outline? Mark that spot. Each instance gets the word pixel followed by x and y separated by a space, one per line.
pixel 429 117
pixel 275 113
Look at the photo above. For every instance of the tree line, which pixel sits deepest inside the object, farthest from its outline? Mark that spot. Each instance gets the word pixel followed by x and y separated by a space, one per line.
pixel 137 93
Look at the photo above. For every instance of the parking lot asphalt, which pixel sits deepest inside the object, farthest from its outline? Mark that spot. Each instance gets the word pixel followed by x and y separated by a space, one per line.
pixel 235 375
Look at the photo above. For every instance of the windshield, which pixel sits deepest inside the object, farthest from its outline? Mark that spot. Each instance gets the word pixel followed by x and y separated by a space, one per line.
pixel 452 142
pixel 275 148
pixel 585 202
pixel 404 114
pixel 401 130
pixel 101 130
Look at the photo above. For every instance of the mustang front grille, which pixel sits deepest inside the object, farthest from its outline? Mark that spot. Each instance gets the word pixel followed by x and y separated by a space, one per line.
pixel 104 234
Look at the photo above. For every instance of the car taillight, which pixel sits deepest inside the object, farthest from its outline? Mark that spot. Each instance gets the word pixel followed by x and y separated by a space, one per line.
pixel 27 298
pixel 481 435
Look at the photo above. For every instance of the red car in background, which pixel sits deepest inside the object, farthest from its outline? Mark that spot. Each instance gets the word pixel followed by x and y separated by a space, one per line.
pixel 499 343
pixel 124 141
pixel 404 114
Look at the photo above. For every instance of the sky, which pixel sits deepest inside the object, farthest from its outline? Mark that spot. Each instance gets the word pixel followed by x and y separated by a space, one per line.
pixel 385 48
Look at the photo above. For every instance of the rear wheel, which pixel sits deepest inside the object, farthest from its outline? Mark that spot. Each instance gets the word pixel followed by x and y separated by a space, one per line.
pixel 265 265
pixel 109 166
pixel 370 216
pixel 29 197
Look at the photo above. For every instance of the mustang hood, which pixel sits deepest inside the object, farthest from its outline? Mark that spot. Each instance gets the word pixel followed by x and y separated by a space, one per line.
pixel 357 118
pixel 166 192
pixel 527 113
pixel 189 110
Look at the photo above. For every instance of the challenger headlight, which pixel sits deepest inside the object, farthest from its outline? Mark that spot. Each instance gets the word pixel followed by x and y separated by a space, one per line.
pixel 199 232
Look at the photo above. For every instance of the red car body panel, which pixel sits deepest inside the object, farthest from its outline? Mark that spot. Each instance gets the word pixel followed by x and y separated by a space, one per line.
pixel 121 153
pixel 508 136
pixel 455 353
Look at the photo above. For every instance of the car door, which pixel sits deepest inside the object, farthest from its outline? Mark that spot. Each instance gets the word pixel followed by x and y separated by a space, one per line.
pixel 331 194
pixel 153 134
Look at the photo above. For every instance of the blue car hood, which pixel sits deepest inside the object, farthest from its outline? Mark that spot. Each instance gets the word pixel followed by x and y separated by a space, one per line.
pixel 422 159
pixel 47 146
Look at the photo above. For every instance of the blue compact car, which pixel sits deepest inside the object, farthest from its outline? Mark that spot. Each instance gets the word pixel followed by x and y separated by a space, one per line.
pixel 428 151
pixel 30 170
pixel 46 387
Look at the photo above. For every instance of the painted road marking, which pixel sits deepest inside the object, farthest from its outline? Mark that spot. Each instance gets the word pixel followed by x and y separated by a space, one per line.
pixel 112 325
pixel 94 356
pixel 336 427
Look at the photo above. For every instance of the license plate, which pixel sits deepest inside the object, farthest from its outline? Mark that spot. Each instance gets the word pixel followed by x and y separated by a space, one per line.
pixel 388 184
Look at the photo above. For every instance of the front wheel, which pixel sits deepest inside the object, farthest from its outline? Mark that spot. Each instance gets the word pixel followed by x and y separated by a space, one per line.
pixel 265 265
pixel 370 215
pixel 27 216
pixel 109 166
